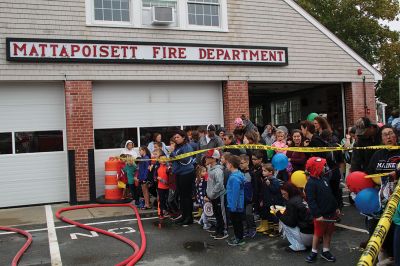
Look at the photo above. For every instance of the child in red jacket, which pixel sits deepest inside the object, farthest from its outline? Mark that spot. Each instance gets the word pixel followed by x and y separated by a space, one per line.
pixel 163 187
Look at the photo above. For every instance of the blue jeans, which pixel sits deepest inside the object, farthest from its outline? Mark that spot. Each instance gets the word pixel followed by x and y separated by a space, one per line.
pixel 396 244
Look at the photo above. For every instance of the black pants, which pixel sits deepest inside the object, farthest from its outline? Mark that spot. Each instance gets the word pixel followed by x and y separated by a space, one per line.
pixel 237 222
pixel 217 208
pixel 184 187
pixel 163 198
pixel 134 191
pixel 334 184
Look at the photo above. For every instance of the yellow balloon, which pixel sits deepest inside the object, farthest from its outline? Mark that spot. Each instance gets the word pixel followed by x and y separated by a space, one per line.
pixel 377 180
pixel 299 179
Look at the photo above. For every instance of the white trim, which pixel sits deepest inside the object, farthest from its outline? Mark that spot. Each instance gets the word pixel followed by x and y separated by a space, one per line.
pixel 335 39
pixel 135 15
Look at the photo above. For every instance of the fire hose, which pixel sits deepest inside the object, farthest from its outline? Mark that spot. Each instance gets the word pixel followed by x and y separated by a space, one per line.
pixel 138 252
pixel 24 247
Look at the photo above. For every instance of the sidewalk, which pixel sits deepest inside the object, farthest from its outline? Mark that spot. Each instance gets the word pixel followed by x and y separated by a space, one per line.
pixel 37 214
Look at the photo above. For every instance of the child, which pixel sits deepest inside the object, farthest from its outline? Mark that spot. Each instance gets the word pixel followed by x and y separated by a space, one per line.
pixel 235 197
pixel 201 187
pixel 271 196
pixel 256 172
pixel 280 141
pixel 163 187
pixel 216 191
pixel 323 207
pixel 143 175
pixel 130 170
pixel 248 197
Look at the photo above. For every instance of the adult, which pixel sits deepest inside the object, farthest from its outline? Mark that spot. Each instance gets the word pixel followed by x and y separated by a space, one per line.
pixel 367 135
pixel 396 238
pixel 229 140
pixel 348 143
pixel 183 170
pixel 128 150
pixel 269 134
pixel 248 125
pixel 157 139
pixel 221 132
pixel 297 159
pixel 209 141
pixel 296 221
pixel 393 115
pixel 382 161
pixel 320 124
pixel 194 141
pixel 238 134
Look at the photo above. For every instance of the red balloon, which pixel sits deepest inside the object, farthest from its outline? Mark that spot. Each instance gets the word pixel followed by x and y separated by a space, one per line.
pixel 356 181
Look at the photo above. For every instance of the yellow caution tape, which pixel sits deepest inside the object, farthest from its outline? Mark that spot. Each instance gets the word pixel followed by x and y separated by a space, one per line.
pixel 266 148
pixel 374 245
pixel 377 175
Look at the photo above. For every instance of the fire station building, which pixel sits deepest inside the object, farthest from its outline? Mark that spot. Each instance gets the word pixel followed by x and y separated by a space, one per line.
pixel 78 78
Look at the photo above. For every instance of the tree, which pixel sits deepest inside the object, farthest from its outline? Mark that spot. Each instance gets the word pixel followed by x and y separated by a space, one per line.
pixel 357 23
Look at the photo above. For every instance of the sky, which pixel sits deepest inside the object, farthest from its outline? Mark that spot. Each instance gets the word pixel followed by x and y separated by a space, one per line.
pixel 394 25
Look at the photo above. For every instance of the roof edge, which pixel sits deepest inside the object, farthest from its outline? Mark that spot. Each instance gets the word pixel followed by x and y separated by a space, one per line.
pixel 335 39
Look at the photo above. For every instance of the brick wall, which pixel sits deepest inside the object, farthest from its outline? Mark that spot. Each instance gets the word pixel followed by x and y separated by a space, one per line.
pixel 354 99
pixel 236 101
pixel 79 119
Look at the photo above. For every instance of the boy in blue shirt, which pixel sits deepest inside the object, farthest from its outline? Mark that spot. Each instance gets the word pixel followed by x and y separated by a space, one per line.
pixel 235 198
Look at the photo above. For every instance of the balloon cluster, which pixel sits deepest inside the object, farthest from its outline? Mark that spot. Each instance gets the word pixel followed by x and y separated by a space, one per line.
pixel 367 199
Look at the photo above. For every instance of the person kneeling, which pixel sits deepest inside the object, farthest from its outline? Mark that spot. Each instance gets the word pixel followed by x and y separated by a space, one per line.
pixel 296 220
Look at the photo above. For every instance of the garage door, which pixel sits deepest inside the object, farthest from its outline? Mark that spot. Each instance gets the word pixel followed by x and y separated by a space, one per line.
pixel 33 158
pixel 134 110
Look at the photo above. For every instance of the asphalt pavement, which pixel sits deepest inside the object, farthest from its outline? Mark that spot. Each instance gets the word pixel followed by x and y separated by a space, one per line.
pixel 169 244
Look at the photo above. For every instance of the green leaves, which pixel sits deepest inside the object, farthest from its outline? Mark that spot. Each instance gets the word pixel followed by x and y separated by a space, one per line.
pixel 358 24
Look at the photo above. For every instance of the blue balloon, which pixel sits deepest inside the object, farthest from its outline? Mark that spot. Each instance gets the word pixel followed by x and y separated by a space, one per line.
pixel 280 161
pixel 367 201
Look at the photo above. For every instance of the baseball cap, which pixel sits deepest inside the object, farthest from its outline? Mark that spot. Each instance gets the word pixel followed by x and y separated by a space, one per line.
pixel 362 124
pixel 213 154
pixel 211 127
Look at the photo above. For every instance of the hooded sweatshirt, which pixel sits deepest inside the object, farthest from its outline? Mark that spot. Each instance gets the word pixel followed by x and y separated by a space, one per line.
pixel 235 192
pixel 127 151
pixel 215 183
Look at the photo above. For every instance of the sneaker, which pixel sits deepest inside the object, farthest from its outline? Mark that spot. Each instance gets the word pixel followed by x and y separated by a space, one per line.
pixel 328 256
pixel 250 234
pixel 211 229
pixel 236 242
pixel 220 236
pixel 213 235
pixel 312 257
pixel 186 223
pixel 161 217
pixel 206 227
pixel 176 217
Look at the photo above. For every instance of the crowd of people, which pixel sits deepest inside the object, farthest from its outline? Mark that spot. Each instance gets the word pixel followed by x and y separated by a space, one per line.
pixel 244 186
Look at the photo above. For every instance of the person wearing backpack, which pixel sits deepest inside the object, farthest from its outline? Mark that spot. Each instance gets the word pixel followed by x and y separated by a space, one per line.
pixel 248 197
pixel 296 220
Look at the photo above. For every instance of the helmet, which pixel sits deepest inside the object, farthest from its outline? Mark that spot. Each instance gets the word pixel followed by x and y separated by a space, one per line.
pixel 316 166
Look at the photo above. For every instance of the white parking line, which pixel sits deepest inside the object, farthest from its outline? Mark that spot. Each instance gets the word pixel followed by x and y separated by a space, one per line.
pixel 352 228
pixel 53 243
pixel 70 226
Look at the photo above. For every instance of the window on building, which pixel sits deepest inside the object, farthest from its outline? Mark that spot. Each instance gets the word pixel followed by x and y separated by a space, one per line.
pixel 5 143
pixel 256 114
pixel 39 141
pixel 111 10
pixel 146 134
pixel 204 12
pixel 147 5
pixel 114 138
pixel 286 111
pixel 202 15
